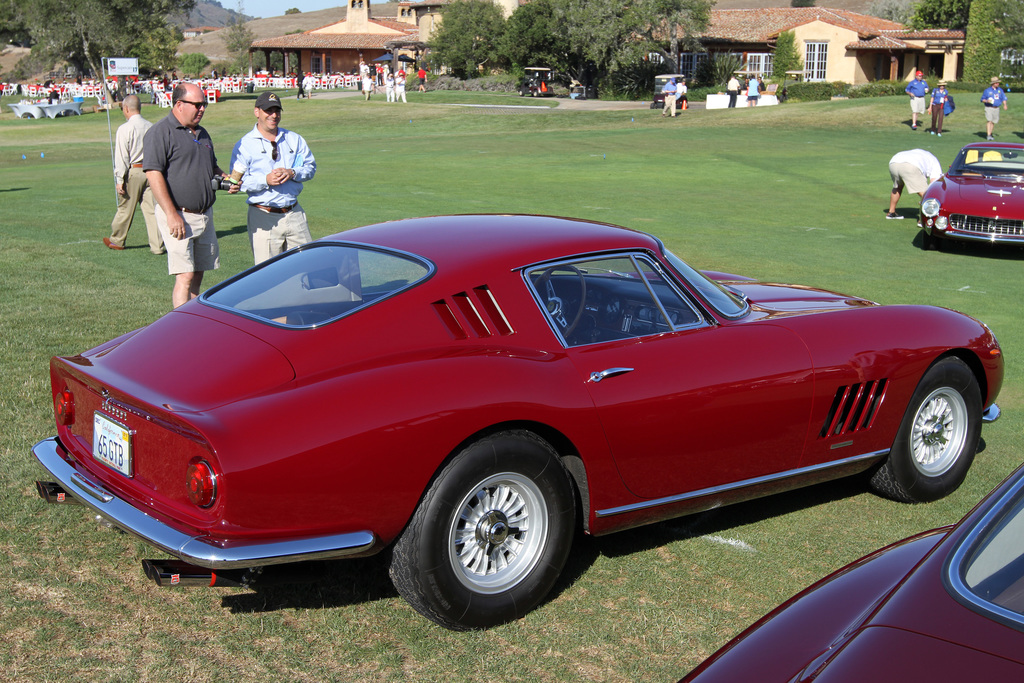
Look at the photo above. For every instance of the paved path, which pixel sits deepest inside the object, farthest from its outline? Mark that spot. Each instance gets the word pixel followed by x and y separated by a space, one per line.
pixel 525 103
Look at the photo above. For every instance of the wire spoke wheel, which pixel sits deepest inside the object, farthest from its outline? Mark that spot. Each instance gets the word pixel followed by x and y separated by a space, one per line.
pixel 939 432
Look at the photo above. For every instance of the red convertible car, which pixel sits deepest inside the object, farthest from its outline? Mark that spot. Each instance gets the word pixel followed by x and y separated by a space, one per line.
pixel 945 605
pixel 468 392
pixel 979 199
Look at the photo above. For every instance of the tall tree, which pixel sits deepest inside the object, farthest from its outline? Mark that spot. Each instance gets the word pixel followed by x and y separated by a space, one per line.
pixel 89 30
pixel 598 33
pixel 786 56
pixel 1010 20
pixel 952 14
pixel 469 37
pixel 532 37
pixel 238 40
pixel 669 23
pixel 984 42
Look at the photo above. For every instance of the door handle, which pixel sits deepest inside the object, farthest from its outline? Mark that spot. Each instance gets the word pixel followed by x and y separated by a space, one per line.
pixel 610 372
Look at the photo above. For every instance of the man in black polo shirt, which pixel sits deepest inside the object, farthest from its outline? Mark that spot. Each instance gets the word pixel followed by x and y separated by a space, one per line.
pixel 179 162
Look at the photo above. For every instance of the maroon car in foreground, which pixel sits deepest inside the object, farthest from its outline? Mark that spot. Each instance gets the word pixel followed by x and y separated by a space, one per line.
pixel 945 605
pixel 979 199
pixel 468 392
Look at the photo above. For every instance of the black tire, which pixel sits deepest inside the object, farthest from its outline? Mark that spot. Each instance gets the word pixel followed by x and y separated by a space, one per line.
pixel 937 439
pixel 509 496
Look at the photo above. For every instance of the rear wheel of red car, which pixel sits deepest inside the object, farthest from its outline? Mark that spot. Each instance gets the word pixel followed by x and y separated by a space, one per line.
pixel 490 536
pixel 938 437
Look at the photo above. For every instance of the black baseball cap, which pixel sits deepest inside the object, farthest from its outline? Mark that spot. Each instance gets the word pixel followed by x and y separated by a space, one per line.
pixel 267 101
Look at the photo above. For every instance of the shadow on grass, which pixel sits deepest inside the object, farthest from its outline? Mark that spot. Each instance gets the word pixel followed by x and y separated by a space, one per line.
pixel 236 230
pixel 15 189
pixel 986 250
pixel 337 583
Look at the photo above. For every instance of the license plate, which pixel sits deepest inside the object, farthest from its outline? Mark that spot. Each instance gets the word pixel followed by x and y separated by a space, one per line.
pixel 112 444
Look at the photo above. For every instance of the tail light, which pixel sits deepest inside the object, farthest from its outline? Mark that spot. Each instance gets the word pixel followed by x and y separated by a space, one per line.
pixel 64 407
pixel 201 483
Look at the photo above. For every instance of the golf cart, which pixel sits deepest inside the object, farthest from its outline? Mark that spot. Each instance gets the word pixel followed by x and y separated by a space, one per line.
pixel 659 82
pixel 535 82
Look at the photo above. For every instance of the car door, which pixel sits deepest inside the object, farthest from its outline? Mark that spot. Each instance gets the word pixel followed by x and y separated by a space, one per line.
pixel 685 404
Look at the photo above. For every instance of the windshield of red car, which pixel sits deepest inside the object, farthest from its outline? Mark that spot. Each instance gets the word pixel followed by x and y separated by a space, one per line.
pixel 318 283
pixel 989 161
pixel 726 302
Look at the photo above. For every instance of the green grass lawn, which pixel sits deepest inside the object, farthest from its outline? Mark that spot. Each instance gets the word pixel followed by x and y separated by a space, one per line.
pixel 795 193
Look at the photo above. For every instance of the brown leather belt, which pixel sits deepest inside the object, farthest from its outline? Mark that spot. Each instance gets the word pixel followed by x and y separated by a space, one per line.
pixel 184 210
pixel 274 209
pixel 136 165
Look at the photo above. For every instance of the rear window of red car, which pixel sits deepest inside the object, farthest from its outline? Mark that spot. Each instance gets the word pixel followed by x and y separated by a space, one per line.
pixel 318 283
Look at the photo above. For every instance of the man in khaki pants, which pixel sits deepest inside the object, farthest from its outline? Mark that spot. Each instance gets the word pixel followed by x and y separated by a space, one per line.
pixel 130 180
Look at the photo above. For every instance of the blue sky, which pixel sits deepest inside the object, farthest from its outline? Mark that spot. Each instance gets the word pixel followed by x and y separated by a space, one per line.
pixel 275 8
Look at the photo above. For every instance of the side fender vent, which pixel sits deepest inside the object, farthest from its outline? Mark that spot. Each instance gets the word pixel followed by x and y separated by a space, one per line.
pixel 854 408
pixel 473 314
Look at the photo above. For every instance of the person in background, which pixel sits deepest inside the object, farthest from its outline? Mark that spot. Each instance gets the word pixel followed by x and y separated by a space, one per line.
pixel 917 89
pixel 400 86
pixel 939 98
pixel 993 96
pixel 669 91
pixel 914 170
pixel 733 89
pixel 130 180
pixel 180 165
pixel 682 101
pixel 753 91
pixel 389 87
pixel 273 163
pixel 422 75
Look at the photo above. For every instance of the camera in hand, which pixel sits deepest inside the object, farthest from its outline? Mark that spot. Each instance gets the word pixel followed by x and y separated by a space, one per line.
pixel 222 183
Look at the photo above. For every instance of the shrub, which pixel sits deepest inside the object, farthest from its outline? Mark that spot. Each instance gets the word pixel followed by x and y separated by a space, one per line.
pixel 877 89
pixel 816 91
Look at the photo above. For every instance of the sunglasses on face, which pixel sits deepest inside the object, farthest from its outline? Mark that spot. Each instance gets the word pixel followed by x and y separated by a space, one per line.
pixel 197 105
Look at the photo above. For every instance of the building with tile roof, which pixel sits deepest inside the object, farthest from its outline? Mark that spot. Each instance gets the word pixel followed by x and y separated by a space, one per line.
pixel 834 44
pixel 338 47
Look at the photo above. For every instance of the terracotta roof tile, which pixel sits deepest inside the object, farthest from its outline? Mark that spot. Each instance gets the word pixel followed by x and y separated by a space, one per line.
pixel 764 24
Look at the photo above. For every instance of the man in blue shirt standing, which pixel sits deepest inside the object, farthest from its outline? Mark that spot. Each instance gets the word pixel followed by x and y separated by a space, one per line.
pixel 992 98
pixel 669 91
pixel 917 89
pixel 271 163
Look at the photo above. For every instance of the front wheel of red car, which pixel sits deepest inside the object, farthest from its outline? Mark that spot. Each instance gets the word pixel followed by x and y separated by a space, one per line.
pixel 491 535
pixel 938 437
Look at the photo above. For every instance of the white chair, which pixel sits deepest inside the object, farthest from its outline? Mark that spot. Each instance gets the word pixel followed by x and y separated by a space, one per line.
pixel 211 97
pixel 164 99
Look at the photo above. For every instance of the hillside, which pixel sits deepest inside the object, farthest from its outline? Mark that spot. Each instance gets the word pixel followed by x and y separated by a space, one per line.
pixel 212 44
pixel 210 13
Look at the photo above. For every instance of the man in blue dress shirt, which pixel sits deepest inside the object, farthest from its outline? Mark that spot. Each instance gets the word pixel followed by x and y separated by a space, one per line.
pixel 271 163
pixel 917 89
pixel 992 98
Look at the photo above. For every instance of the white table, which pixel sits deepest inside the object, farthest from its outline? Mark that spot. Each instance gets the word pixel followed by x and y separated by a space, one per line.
pixel 722 101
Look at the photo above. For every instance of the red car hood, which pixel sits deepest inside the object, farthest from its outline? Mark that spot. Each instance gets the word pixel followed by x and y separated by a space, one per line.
pixel 1003 196
pixel 796 298
pixel 186 362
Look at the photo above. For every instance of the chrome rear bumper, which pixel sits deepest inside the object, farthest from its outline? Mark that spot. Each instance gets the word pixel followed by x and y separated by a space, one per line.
pixel 199 550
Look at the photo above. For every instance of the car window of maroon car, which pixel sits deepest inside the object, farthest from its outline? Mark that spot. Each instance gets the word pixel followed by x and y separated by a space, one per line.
pixel 607 299
pixel 317 284
pixel 987 569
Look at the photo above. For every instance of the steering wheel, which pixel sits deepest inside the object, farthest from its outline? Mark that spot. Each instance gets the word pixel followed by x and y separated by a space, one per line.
pixel 554 303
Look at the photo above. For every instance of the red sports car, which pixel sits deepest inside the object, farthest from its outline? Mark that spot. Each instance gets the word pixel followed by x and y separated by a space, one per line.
pixel 979 199
pixel 945 605
pixel 470 391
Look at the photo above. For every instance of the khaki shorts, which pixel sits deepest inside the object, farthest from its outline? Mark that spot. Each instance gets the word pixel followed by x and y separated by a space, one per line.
pixel 198 251
pixel 271 234
pixel 908 175
pixel 917 105
pixel 992 114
